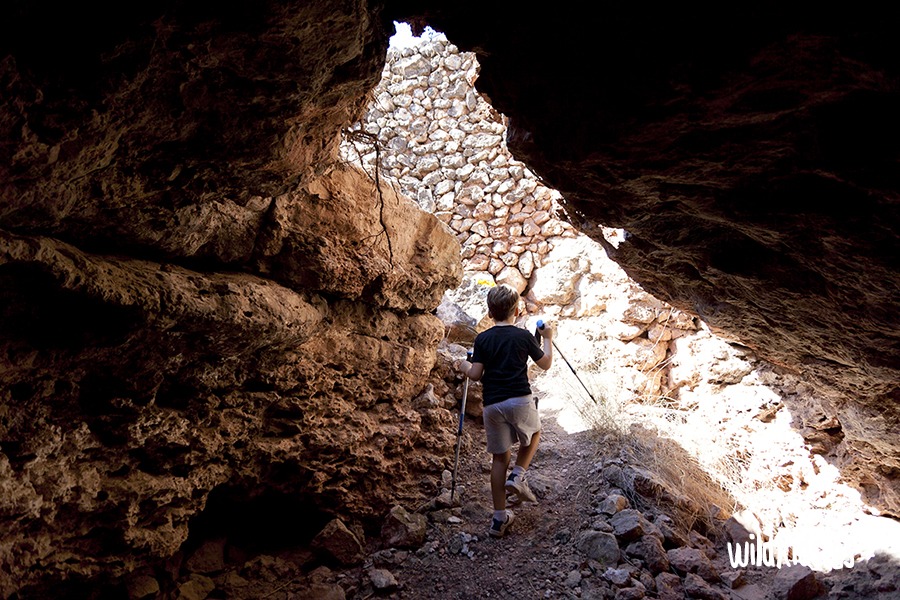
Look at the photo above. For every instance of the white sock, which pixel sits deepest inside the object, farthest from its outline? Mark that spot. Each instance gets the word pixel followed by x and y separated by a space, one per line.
pixel 517 470
pixel 500 515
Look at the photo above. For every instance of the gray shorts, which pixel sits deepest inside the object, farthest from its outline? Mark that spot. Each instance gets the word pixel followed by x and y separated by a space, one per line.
pixel 507 421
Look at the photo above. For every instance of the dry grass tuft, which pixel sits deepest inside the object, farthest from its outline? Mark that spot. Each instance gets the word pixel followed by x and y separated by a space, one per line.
pixel 672 480
pixel 658 473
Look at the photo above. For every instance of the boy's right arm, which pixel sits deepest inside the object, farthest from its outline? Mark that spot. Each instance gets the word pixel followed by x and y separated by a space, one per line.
pixel 546 332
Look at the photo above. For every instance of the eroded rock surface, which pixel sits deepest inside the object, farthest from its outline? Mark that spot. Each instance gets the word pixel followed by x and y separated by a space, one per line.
pixel 200 303
pixel 198 298
pixel 753 168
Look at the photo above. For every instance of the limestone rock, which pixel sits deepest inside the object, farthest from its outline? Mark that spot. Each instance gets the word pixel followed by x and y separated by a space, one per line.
pixel 669 587
pixel 390 263
pixel 324 591
pixel 209 557
pixel 555 282
pixel 198 587
pixel 630 593
pixel 696 587
pixel 733 579
pixel 796 582
pixel 511 276
pixel 142 587
pixel 691 560
pixel 382 579
pixel 649 548
pixel 737 530
pixel 471 294
pixel 617 577
pixel 599 546
pixel 338 543
pixel 613 504
pixel 403 529
pixel 629 524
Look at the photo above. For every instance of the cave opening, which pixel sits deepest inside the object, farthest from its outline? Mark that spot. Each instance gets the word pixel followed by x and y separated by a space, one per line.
pixel 673 390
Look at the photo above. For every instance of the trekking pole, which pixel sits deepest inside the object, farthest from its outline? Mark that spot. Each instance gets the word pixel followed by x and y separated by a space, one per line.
pixel 540 325
pixel 462 415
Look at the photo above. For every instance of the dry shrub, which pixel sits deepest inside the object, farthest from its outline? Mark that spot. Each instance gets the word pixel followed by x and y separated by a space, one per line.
pixel 670 479
pixel 658 471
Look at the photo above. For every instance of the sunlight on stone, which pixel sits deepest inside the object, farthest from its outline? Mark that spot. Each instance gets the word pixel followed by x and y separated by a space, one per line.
pixel 403 38
pixel 650 366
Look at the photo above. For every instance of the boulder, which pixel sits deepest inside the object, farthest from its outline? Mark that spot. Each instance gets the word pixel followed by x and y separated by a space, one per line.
pixel 696 587
pixel 142 587
pixel 613 504
pixel 629 524
pixel 197 587
pixel 382 579
pixel 403 529
pixel 649 548
pixel 796 582
pixel 691 560
pixel 599 546
pixel 669 587
pixel 209 557
pixel 338 543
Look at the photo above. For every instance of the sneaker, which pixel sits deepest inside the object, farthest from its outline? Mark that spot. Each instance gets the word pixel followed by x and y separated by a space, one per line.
pixel 517 484
pixel 497 528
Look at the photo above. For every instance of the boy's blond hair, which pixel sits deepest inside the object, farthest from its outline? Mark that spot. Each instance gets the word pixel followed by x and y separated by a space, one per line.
pixel 501 301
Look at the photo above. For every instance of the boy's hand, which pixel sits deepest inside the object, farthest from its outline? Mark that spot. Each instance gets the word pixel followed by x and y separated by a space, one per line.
pixel 464 366
pixel 547 331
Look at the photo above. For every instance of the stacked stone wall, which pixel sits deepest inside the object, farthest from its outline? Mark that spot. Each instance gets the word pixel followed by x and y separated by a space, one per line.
pixel 445 146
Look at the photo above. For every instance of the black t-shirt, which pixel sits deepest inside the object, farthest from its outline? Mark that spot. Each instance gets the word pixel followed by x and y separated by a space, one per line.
pixel 504 352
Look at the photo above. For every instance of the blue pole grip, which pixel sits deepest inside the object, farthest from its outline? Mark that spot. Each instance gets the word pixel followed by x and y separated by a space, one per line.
pixel 540 323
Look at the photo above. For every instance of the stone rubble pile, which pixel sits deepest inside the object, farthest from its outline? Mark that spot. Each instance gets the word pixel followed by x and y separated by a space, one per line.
pixel 445 147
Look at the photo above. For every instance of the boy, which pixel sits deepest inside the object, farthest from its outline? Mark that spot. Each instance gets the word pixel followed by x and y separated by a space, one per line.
pixel 500 360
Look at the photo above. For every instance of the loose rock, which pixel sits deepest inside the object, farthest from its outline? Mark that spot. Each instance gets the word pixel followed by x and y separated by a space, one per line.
pixel 599 546
pixel 339 543
pixel 403 529
pixel 382 579
pixel 796 582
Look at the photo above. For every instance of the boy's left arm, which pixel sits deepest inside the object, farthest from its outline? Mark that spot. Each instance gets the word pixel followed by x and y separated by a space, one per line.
pixel 473 371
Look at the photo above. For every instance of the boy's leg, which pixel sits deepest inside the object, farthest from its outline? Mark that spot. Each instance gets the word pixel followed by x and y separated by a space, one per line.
pixel 517 483
pixel 498 480
pixel 526 453
pixel 527 423
pixel 502 518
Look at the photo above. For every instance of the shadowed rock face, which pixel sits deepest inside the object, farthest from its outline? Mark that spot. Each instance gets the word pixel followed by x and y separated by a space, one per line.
pixel 196 296
pixel 197 299
pixel 753 158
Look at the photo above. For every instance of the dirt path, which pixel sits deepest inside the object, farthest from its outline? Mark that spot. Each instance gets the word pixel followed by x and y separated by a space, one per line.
pixel 535 559
pixel 541 556
pixel 538 557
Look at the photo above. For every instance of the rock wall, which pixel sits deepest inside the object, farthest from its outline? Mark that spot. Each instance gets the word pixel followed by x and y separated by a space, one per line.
pixel 752 167
pixel 198 299
pixel 445 146
pixel 421 113
pixel 167 172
